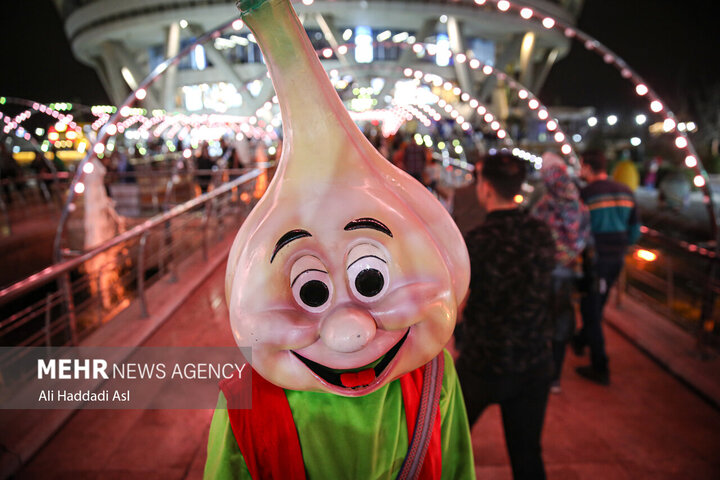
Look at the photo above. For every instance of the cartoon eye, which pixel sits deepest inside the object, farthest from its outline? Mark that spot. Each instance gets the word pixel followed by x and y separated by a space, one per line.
pixel 310 284
pixel 368 272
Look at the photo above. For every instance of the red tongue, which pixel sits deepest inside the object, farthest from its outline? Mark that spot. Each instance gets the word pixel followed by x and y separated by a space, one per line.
pixel 356 379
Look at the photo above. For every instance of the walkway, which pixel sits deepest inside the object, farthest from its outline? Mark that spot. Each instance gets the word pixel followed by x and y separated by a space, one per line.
pixel 645 425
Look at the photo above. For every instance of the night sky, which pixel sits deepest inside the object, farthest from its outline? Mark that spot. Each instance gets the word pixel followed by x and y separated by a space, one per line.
pixel 672 44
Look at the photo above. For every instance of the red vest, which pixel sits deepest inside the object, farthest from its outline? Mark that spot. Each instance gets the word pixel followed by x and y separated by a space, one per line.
pixel 268 439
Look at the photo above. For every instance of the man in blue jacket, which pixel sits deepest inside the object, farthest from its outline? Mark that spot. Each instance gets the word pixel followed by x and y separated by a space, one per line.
pixel 615 226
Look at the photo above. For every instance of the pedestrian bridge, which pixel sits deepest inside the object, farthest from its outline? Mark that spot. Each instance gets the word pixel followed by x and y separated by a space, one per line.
pixel 161 283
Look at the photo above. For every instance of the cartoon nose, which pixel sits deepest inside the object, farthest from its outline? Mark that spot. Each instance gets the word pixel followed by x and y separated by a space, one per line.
pixel 348 329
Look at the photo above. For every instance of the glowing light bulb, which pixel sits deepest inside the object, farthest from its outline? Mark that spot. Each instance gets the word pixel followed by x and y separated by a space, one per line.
pixel 699 181
pixel 566 149
pixel 641 89
pixel 552 125
pixel 646 255
pixel 503 5
pixel 640 119
pixel 542 114
pixel 526 13
pixel 99 148
pixel 681 142
pixel 474 63
pixel 548 22
pixel 559 137
pixel 237 24
pixel 501 134
pixel 690 161
pixel 669 125
pixel 523 94
pixel 487 70
pixel 656 106
pixel 533 104
pixel 89 168
pixel 612 120
pixel 141 93
pixel 79 188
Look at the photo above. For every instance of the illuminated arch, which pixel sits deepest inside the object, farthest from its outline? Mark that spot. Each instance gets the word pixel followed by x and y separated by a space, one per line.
pixel 642 88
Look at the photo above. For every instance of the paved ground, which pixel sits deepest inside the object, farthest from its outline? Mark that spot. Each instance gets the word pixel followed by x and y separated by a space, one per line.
pixel 645 425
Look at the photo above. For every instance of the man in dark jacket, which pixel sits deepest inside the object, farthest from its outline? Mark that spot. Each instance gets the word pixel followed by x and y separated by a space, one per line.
pixel 615 225
pixel 506 355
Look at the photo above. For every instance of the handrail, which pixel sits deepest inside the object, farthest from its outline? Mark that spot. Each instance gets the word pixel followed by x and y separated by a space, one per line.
pixel 58 269
pixel 37 176
pixel 689 248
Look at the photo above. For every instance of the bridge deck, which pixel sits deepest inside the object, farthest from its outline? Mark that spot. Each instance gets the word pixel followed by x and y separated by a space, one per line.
pixel 645 425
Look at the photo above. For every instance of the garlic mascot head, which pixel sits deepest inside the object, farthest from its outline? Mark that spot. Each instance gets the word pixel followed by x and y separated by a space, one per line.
pixel 348 272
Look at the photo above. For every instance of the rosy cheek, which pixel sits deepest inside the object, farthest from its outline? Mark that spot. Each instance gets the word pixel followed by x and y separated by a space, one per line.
pixel 278 329
pixel 413 304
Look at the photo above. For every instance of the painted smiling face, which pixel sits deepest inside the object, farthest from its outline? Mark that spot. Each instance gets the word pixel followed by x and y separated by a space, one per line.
pixel 348 272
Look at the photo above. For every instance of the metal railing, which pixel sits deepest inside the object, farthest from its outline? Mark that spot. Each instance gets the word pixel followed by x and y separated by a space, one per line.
pixel 63 303
pixel 681 281
pixel 39 191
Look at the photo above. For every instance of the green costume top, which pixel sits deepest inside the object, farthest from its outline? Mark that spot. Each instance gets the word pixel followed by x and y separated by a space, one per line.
pixel 353 437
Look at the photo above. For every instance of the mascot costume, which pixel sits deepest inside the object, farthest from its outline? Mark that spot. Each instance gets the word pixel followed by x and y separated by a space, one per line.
pixel 345 280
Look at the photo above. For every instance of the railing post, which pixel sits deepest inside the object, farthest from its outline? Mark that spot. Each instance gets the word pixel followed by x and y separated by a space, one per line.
pixel 98 286
pixel 66 286
pixel 205 222
pixel 670 283
pixel 707 306
pixel 168 243
pixel 7 228
pixel 141 275
pixel 48 337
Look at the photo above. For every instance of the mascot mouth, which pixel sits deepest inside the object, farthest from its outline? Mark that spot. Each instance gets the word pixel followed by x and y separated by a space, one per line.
pixel 354 378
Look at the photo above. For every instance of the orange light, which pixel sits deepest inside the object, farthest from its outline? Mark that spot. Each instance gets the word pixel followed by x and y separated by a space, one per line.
pixel 646 255
pixel 518 198
pixel 71 135
pixel 61 126
pixel 53 136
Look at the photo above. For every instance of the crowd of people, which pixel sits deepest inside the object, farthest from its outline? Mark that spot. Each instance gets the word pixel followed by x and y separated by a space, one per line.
pixel 535 271
pixel 528 266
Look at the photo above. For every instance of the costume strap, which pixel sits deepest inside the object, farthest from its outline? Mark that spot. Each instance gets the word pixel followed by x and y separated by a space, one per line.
pixel 426 420
pixel 266 433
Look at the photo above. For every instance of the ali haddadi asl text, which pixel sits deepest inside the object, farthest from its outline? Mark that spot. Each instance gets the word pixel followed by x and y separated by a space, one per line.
pixel 83 396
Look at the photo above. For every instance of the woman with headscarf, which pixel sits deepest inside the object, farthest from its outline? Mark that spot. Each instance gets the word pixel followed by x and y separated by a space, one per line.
pixel 569 221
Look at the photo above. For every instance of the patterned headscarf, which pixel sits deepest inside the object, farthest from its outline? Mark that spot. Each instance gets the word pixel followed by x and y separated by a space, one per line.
pixel 560 207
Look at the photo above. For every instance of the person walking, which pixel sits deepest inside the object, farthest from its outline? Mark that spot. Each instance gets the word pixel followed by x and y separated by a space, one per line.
pixel 205 164
pixel 569 221
pixel 615 225
pixel 506 355
pixel 415 159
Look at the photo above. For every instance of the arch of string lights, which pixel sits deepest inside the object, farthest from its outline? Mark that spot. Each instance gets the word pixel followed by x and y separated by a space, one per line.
pixel 656 105
pixel 14 123
pixel 641 87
